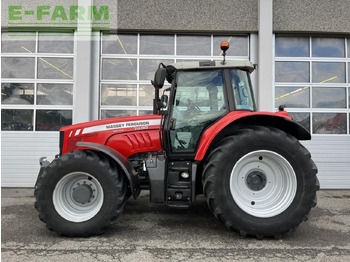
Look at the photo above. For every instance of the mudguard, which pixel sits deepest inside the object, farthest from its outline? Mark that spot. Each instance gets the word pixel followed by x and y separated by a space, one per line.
pixel 238 119
pixel 122 162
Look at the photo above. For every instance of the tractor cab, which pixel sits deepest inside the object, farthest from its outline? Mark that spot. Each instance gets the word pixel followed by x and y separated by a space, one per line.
pixel 200 94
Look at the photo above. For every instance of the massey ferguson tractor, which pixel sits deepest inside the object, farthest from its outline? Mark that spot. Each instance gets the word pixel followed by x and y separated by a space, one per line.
pixel 205 137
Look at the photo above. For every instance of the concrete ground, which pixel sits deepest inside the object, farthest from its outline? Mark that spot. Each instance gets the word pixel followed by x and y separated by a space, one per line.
pixel 151 232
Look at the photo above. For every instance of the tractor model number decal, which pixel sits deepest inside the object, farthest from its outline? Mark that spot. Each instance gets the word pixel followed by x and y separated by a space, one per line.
pixel 113 126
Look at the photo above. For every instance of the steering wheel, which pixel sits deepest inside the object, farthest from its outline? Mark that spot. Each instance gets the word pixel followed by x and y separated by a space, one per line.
pixel 191 106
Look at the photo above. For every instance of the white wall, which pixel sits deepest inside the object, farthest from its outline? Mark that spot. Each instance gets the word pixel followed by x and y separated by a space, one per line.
pixel 332 157
pixel 20 153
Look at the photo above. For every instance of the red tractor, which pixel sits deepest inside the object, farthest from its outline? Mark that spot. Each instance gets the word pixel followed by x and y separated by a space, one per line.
pixel 205 137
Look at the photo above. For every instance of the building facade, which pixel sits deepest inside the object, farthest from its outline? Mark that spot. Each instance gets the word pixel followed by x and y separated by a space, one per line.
pixel 86 60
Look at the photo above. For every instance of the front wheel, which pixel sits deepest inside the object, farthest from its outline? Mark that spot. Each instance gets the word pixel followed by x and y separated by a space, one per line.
pixel 260 182
pixel 80 194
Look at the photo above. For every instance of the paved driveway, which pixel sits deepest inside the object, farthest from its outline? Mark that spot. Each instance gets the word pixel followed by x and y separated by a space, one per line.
pixel 151 232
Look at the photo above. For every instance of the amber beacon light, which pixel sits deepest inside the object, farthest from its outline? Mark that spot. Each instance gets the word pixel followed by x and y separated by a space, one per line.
pixel 224 46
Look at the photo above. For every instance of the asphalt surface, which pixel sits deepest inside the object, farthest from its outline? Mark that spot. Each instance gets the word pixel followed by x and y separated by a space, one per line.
pixel 152 232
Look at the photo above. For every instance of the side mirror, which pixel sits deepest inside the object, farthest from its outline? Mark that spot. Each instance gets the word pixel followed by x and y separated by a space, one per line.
pixel 159 78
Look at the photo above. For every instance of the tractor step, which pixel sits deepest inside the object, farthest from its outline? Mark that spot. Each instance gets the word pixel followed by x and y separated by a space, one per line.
pixel 179 205
pixel 186 186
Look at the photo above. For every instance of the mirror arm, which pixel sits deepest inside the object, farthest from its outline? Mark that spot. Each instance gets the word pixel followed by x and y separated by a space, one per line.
pixel 156 101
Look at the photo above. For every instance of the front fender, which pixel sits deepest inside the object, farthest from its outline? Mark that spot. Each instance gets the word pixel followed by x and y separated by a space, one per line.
pixel 236 120
pixel 122 162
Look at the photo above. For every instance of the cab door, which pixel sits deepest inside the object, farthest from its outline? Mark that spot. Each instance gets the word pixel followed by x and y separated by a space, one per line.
pixel 198 99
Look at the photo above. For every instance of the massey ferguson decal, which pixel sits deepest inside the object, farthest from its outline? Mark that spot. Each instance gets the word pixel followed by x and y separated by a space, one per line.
pixel 121 125
pixel 127 124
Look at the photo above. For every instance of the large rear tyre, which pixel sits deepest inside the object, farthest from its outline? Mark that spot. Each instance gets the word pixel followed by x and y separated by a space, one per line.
pixel 80 194
pixel 260 182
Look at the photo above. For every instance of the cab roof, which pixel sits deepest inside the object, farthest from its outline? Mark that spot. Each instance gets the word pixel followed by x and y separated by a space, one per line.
pixel 242 64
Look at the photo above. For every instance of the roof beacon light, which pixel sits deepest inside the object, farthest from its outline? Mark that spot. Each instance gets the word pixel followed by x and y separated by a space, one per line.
pixel 224 46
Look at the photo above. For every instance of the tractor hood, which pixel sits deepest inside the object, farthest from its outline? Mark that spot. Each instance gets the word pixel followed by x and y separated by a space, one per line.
pixel 119 124
pixel 100 131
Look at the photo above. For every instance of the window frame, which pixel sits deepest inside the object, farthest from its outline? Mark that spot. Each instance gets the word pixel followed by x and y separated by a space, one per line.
pixel 36 55
pixel 310 59
pixel 138 56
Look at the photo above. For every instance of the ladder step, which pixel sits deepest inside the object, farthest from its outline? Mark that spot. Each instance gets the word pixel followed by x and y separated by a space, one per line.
pixel 179 186
pixel 182 205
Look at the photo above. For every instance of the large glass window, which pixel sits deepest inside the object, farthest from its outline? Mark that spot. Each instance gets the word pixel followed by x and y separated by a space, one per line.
pixel 292 72
pixel 328 47
pixel 292 46
pixel 37 80
pixel 23 42
pixel 16 120
pixel 238 45
pixel 119 44
pixel 328 72
pixel 17 93
pixel 129 61
pixel 119 94
pixel 157 44
pixel 193 45
pixel 17 67
pixel 312 81
pixel 293 96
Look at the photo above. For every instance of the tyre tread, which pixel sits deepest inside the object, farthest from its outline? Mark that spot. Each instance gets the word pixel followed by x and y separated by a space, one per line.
pixel 91 156
pixel 210 175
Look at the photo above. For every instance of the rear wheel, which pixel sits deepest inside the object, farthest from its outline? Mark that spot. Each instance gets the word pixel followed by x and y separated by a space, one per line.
pixel 80 194
pixel 260 182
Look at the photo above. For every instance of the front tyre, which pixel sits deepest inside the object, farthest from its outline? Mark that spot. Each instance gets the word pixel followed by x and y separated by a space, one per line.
pixel 80 194
pixel 260 182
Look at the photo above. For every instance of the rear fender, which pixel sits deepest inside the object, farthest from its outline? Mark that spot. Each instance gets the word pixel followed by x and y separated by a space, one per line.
pixel 121 161
pixel 225 127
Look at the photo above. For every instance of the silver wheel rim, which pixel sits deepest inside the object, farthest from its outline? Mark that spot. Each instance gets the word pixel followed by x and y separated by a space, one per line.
pixel 68 204
pixel 263 183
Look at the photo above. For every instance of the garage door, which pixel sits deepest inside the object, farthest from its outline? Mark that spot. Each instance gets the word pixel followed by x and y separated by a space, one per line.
pixel 312 81
pixel 36 100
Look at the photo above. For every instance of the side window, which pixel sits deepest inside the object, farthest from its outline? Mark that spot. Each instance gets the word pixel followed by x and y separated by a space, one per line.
pixel 242 90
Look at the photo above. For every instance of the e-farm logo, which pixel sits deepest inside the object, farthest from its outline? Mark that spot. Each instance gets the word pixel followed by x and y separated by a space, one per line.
pixel 58 15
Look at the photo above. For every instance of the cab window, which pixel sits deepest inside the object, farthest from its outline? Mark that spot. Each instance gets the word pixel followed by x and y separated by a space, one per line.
pixel 199 101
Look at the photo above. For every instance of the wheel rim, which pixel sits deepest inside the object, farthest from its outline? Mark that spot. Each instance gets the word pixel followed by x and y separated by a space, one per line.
pixel 78 197
pixel 263 183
